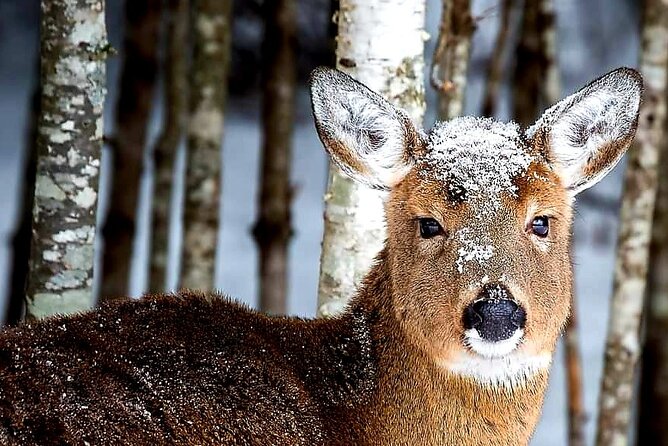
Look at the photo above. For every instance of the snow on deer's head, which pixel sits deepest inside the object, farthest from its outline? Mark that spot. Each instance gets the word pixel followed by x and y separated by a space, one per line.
pixel 479 214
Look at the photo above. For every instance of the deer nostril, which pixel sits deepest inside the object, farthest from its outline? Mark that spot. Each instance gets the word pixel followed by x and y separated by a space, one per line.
pixel 519 318
pixel 471 317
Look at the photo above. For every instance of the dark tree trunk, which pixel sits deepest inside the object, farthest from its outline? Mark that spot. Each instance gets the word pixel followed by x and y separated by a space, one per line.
pixel 272 229
pixel 212 21
pixel 175 94
pixel 451 57
pixel 133 110
pixel 495 69
pixel 529 66
pixel 653 407
pixel 22 234
pixel 73 54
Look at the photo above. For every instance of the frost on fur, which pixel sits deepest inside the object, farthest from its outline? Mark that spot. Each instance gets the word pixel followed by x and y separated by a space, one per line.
pixel 367 137
pixel 588 132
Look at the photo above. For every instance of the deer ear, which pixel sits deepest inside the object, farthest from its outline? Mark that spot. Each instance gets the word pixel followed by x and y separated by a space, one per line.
pixel 369 139
pixel 587 133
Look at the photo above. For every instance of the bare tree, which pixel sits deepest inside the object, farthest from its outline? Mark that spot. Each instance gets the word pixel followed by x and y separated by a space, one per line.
pixel 73 53
pixel 272 230
pixel 175 94
pixel 382 45
pixel 529 66
pixel 208 88
pixel 623 345
pixel 653 407
pixel 495 68
pixel 451 57
pixel 574 383
pixel 139 69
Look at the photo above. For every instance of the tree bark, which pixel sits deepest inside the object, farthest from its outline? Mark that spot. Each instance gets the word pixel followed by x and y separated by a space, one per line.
pixel 380 43
pixel 272 230
pixel 132 118
pixel 653 406
pixel 495 69
pixel 529 63
pixel 73 53
pixel 173 127
pixel 208 87
pixel 623 344
pixel 22 235
pixel 574 384
pixel 451 57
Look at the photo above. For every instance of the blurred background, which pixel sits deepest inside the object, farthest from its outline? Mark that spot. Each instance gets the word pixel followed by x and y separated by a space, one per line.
pixel 593 37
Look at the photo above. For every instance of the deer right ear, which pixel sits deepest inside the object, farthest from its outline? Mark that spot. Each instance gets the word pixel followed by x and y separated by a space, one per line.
pixel 587 133
pixel 369 139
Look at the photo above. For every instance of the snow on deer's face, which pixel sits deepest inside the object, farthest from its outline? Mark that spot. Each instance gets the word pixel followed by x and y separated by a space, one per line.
pixel 479 215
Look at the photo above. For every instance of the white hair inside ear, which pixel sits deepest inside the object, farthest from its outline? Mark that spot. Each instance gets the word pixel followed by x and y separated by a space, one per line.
pixel 367 137
pixel 588 132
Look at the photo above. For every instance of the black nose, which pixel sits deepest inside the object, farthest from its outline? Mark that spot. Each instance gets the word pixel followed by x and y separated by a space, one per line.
pixel 494 317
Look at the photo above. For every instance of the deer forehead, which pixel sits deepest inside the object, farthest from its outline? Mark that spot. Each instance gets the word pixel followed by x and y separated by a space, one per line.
pixel 478 160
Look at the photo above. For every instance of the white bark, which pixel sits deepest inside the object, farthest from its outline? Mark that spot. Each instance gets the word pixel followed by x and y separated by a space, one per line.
pixel 623 343
pixel 380 43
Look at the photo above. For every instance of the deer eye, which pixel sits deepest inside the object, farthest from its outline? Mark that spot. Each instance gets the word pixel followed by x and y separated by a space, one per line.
pixel 430 228
pixel 540 226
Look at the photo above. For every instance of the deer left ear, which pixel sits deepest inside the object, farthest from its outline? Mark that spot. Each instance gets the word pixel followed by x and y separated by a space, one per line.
pixel 587 133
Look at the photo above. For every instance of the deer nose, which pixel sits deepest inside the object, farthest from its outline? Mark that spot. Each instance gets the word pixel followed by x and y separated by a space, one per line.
pixel 494 319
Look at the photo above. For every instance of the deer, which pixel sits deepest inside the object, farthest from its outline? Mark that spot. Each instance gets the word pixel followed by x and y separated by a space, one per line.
pixel 448 340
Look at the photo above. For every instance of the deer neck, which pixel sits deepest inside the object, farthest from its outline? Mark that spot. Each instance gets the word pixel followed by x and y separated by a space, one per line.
pixel 418 402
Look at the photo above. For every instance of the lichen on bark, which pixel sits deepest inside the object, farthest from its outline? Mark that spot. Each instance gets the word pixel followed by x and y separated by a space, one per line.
pixel 211 29
pixel 69 139
pixel 381 44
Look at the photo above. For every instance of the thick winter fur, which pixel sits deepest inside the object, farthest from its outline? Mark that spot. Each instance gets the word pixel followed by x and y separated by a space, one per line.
pixel 398 367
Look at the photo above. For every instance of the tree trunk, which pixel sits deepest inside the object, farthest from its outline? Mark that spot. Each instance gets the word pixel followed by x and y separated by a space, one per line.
pixel 451 57
pixel 622 344
pixel 175 94
pixel 22 235
pixel 132 119
pixel 529 66
pixel 73 54
pixel 653 407
pixel 380 43
pixel 208 87
pixel 495 69
pixel 272 230
pixel 574 383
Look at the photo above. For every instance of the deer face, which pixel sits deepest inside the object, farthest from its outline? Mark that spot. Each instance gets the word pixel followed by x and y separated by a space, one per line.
pixel 479 215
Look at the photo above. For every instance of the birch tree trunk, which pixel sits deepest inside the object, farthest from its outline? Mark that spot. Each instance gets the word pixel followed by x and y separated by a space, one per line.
pixel 142 18
pixel 623 344
pixel 653 407
pixel 495 69
pixel 73 53
pixel 451 57
pixel 175 94
pixel 380 43
pixel 211 31
pixel 272 230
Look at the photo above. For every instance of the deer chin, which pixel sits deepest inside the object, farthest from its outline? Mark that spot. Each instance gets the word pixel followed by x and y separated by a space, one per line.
pixel 497 364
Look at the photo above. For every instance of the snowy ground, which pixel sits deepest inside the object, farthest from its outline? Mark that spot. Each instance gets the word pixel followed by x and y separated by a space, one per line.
pixel 589 44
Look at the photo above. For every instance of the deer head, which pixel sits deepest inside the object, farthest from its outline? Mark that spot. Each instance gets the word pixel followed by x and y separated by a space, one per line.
pixel 479 214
